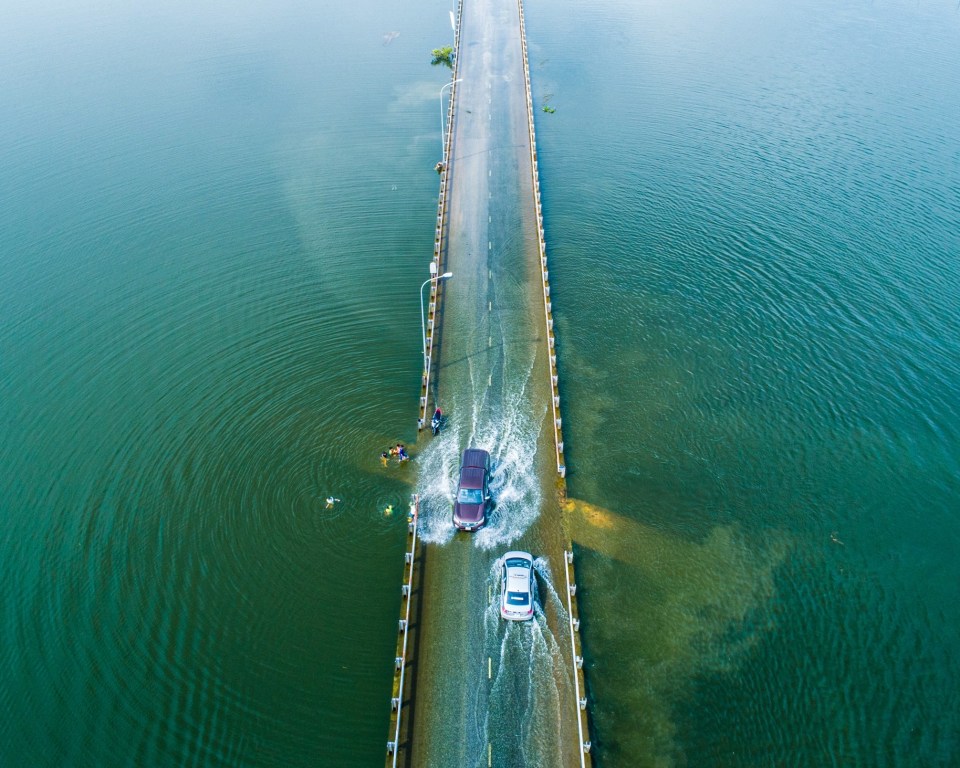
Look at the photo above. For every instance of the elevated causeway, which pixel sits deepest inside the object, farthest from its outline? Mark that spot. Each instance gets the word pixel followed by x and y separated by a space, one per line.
pixel 470 689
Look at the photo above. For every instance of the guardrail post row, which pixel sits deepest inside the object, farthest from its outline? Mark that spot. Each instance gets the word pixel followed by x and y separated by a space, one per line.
pixel 535 172
pixel 577 657
pixel 399 661
pixel 447 141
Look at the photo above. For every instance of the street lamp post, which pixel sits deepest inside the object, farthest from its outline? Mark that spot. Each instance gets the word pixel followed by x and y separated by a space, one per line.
pixel 443 122
pixel 423 325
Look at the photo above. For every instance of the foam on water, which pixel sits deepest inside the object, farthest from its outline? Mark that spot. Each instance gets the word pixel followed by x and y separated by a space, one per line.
pixel 511 434
pixel 542 568
pixel 522 718
pixel 436 484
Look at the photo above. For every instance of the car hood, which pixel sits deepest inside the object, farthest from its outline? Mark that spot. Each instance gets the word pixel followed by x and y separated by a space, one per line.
pixel 468 513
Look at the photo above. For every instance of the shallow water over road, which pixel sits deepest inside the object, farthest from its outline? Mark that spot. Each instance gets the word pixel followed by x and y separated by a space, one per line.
pixel 214 223
pixel 487 690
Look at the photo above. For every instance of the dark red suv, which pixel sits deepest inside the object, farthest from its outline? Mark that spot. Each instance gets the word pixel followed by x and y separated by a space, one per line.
pixel 473 491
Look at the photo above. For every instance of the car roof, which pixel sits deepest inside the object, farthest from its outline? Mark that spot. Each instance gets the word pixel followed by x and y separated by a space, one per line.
pixel 471 477
pixel 474 457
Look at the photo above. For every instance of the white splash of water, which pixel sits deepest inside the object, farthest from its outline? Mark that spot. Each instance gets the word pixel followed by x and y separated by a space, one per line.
pixel 437 484
pixel 512 441
pixel 542 568
pixel 511 434
pixel 522 718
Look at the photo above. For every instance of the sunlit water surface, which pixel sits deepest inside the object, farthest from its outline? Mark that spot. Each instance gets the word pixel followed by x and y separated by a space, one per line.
pixel 753 218
pixel 213 224
pixel 214 221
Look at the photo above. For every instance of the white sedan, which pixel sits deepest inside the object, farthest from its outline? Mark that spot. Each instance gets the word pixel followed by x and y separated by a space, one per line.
pixel 516 596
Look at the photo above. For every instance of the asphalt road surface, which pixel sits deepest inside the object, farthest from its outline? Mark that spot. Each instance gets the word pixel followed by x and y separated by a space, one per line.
pixel 489 691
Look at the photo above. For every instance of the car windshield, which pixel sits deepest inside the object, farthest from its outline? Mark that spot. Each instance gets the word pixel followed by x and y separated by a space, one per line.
pixel 518 598
pixel 470 496
pixel 518 562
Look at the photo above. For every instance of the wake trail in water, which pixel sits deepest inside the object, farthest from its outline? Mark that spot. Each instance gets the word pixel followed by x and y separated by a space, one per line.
pixel 522 722
pixel 511 434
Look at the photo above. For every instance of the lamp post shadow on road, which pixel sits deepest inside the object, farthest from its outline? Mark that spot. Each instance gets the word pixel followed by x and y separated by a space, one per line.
pixel 423 326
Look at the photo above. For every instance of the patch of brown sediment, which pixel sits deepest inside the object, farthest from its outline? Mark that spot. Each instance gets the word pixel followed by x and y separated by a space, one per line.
pixel 669 610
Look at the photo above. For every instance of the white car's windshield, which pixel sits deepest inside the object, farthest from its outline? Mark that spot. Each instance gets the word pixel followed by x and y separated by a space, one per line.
pixel 470 496
pixel 518 598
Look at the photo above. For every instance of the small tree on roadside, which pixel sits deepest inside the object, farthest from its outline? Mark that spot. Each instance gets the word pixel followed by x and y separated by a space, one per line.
pixel 443 56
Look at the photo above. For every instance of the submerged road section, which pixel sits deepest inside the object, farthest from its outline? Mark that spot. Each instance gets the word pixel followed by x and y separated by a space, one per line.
pixel 487 692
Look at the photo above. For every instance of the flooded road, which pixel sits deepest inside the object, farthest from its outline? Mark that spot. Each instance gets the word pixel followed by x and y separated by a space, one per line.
pixel 488 691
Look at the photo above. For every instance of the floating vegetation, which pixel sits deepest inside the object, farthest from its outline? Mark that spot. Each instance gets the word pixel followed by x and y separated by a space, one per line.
pixel 548 109
pixel 443 56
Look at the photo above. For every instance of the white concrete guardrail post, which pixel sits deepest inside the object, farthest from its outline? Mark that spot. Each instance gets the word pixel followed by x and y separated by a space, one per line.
pixel 404 630
pixel 579 682
pixel 548 316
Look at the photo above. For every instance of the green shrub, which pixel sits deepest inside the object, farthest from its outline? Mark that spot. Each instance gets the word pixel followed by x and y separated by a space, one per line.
pixel 443 56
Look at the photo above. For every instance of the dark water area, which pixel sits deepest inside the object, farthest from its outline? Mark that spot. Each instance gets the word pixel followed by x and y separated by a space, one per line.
pixel 753 212
pixel 213 224
pixel 214 221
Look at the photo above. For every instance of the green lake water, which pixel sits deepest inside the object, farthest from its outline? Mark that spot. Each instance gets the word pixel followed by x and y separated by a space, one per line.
pixel 213 224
